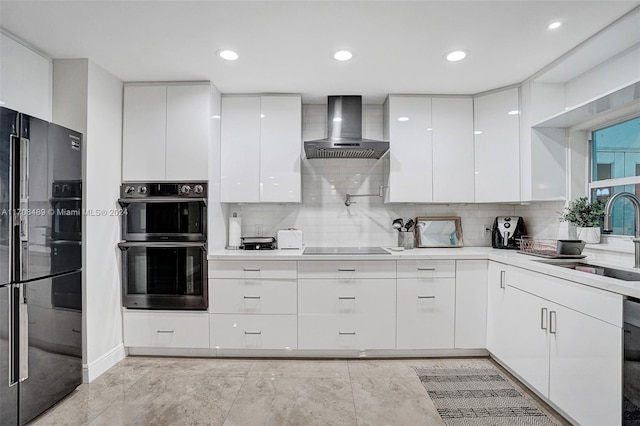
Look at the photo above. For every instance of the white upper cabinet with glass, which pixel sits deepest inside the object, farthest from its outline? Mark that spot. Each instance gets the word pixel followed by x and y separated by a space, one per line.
pixel 165 133
pixel 497 153
pixel 261 147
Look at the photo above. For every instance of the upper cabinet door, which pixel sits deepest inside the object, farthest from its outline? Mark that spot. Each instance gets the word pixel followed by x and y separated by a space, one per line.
pixel 240 149
pixel 453 168
pixel 497 152
pixel 188 122
pixel 280 148
pixel 408 124
pixel 144 133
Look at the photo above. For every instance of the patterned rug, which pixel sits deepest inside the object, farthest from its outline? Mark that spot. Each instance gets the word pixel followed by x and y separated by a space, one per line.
pixel 478 397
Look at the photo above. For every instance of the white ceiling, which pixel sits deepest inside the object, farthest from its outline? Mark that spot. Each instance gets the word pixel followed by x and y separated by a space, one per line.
pixel 287 46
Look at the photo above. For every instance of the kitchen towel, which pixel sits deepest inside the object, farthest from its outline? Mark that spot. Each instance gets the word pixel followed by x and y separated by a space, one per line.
pixel 235 232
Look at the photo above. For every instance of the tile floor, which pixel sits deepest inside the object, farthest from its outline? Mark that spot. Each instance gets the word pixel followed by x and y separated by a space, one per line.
pixel 202 391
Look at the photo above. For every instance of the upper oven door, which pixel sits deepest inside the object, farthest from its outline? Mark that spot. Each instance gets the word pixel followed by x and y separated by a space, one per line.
pixel 162 220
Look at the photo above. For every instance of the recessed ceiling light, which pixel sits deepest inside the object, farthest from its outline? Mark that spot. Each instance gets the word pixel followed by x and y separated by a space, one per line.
pixel 337 119
pixel 555 25
pixel 343 55
pixel 228 55
pixel 456 55
pixel 514 112
pixel 403 118
pixel 477 132
pixel 262 116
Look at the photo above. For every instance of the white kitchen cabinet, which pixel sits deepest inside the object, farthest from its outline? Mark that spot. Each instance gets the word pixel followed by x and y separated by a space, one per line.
pixel 453 166
pixel 344 331
pixel 280 148
pixel 565 341
pixel 497 314
pixel 252 296
pixel 497 140
pixel 471 304
pixel 261 147
pixel 165 329
pixel 407 127
pixel 254 331
pixel 165 134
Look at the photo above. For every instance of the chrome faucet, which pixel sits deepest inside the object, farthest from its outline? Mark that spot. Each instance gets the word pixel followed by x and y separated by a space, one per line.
pixel 635 201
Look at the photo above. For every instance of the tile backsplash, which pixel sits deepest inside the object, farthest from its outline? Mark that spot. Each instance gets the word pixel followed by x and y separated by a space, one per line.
pixel 327 221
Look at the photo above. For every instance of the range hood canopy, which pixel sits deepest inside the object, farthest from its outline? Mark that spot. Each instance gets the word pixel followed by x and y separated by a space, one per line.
pixel 344 133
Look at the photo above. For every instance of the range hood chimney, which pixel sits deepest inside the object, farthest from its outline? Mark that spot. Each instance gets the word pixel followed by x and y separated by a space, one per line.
pixel 344 133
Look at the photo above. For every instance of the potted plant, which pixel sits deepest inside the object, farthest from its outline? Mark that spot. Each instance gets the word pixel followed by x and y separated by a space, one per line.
pixel 586 216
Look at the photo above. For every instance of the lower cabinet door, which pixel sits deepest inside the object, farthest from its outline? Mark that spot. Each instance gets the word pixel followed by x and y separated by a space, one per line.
pixel 346 331
pixel 527 352
pixel 426 313
pixel 166 329
pixel 586 367
pixel 497 315
pixel 230 331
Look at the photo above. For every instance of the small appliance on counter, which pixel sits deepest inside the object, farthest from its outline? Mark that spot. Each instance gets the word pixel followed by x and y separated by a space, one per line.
pixel 258 243
pixel 507 231
pixel 290 238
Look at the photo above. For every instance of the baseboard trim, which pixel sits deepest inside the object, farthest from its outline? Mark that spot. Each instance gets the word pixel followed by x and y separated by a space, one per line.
pixel 94 369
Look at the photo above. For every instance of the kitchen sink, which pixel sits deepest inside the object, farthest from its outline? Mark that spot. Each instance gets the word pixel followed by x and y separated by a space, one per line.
pixel 619 274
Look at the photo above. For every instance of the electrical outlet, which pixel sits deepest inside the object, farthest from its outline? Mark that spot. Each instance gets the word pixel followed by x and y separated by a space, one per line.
pixel 257 230
pixel 486 231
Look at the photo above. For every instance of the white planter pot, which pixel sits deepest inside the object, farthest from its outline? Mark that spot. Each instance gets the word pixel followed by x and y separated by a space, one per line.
pixel 590 235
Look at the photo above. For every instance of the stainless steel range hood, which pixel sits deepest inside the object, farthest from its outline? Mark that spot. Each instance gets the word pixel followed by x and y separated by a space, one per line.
pixel 344 133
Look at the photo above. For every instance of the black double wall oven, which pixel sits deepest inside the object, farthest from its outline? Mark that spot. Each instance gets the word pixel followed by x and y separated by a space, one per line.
pixel 164 255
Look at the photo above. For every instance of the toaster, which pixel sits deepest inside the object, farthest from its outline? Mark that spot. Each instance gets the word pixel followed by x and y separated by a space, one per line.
pixel 290 239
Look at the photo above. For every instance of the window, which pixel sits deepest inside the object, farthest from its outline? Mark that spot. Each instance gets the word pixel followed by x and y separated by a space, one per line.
pixel 616 168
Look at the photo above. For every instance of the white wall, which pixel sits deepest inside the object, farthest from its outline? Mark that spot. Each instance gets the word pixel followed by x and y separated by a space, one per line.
pixel 25 79
pixel 326 221
pixel 88 98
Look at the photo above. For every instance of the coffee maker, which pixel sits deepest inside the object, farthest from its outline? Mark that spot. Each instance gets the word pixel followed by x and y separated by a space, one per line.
pixel 507 231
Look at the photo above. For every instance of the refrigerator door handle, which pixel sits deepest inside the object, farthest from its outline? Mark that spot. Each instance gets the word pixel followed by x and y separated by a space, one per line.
pixel 24 189
pixel 24 334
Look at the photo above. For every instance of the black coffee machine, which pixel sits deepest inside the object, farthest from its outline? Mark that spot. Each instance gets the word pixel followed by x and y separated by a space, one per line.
pixel 507 231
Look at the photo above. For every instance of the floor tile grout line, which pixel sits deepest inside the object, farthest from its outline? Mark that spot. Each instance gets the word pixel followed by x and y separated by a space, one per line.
pixel 353 395
pixel 235 398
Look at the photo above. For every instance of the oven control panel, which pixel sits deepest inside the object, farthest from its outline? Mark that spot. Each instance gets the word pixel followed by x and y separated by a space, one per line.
pixel 163 189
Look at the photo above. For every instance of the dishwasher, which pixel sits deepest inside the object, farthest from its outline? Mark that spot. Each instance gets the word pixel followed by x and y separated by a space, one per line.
pixel 631 365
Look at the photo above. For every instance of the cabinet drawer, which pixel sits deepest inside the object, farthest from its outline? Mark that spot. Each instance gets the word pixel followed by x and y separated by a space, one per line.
pixel 346 269
pixel 254 331
pixel 166 329
pixel 344 331
pixel 252 270
pixel 233 295
pixel 426 268
pixel 362 296
pixel 426 313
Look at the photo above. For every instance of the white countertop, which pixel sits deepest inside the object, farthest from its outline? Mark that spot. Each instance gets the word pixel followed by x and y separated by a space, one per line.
pixel 509 257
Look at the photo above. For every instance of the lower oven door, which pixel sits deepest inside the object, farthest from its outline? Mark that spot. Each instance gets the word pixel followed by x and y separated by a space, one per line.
pixel 164 275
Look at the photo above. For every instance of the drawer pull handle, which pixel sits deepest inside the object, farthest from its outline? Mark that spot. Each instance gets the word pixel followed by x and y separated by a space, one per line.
pixel 253 332
pixel 251 269
pixel 347 333
pixel 165 331
pixel 75 330
pixel 543 318
pixel 502 279
pixel 251 297
pixel 346 297
pixel 426 269
pixel 346 269
pixel 426 297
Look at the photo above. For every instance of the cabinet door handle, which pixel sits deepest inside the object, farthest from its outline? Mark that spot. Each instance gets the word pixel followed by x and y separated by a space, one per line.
pixel 552 322
pixel 426 269
pixel 543 318
pixel 75 330
pixel 346 297
pixel 346 269
pixel 347 333
pixel 253 332
pixel 426 297
pixel 502 279
pixel 251 269
pixel 251 297
pixel 164 331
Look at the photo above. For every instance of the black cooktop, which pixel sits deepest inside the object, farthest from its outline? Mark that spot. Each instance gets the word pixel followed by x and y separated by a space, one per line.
pixel 345 250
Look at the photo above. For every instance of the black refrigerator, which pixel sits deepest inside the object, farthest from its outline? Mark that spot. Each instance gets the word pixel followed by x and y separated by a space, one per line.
pixel 40 265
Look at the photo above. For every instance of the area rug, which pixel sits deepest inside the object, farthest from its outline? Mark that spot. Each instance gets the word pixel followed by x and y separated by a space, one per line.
pixel 478 397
